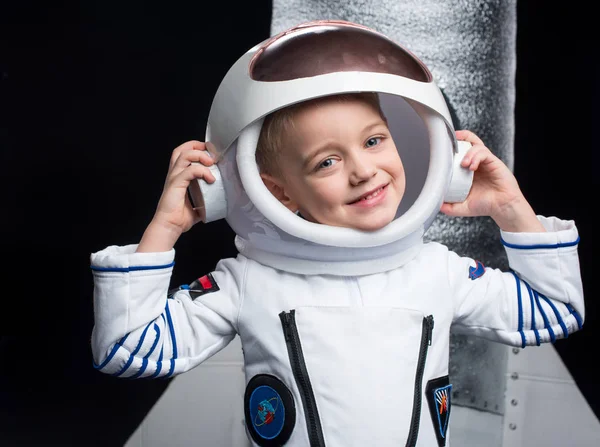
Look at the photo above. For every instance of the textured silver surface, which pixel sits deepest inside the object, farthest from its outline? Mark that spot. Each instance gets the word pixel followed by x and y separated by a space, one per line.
pixel 469 46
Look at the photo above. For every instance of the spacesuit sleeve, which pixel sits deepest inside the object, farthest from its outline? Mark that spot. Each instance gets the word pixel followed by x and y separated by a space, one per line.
pixel 141 329
pixel 539 300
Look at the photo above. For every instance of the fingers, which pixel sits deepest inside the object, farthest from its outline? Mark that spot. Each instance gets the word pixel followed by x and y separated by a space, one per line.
pixel 197 171
pixel 467 135
pixel 189 161
pixel 474 157
pixel 187 157
pixel 186 147
pixel 478 152
pixel 193 171
pixel 188 154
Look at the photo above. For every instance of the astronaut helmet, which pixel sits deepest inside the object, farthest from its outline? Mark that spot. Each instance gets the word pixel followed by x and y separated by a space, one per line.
pixel 311 60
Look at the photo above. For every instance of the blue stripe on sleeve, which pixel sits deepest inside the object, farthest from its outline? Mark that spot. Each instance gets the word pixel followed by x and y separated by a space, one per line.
pixel 112 353
pixel 132 268
pixel 171 330
pixel 520 328
pixel 157 330
pixel 142 368
pixel 558 316
pixel 158 364
pixel 171 368
pixel 533 328
pixel 145 359
pixel 532 247
pixel 544 316
pixel 173 340
pixel 576 315
pixel 133 354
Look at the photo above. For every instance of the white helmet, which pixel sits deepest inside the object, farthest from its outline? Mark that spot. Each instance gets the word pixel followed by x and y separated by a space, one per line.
pixel 316 59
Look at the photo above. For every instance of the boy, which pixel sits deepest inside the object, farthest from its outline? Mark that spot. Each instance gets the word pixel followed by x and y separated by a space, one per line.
pixel 322 350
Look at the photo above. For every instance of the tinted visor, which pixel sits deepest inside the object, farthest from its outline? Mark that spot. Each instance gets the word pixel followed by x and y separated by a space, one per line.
pixel 322 47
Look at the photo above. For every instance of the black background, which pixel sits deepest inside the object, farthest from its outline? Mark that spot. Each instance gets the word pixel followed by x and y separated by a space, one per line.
pixel 93 98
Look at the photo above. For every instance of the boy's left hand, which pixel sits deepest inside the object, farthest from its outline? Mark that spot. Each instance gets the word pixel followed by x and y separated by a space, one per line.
pixel 494 192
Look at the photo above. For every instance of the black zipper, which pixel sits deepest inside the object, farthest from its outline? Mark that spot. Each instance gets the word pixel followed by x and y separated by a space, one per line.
pixel 416 413
pixel 292 340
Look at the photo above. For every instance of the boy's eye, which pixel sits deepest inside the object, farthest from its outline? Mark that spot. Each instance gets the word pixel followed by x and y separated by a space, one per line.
pixel 327 163
pixel 374 141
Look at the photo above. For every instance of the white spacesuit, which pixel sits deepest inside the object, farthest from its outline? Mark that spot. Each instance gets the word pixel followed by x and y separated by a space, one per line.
pixel 345 334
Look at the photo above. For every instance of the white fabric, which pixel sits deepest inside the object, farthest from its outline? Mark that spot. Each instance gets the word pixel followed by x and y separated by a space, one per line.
pixel 359 333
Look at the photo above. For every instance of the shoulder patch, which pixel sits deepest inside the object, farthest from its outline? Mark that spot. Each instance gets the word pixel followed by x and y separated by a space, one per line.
pixel 439 393
pixel 204 284
pixel 477 271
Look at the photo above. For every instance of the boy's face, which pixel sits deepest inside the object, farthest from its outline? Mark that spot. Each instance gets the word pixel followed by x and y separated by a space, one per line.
pixel 340 166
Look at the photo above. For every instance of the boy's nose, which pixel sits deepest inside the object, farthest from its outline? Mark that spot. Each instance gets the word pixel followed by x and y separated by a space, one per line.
pixel 362 171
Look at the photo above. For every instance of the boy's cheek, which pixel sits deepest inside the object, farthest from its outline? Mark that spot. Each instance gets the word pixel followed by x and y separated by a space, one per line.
pixel 330 195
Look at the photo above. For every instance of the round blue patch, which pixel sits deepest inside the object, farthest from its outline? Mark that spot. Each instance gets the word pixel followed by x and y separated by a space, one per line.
pixel 269 412
pixel 269 409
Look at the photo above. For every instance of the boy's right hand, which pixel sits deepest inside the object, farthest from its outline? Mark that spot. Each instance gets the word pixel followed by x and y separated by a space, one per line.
pixel 174 214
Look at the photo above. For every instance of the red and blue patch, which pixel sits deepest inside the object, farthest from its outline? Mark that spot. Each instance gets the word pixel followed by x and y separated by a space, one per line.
pixel 201 286
pixel 477 271
pixel 439 395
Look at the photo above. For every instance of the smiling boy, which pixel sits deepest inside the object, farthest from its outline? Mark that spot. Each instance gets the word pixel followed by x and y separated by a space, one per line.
pixel 339 165
pixel 321 349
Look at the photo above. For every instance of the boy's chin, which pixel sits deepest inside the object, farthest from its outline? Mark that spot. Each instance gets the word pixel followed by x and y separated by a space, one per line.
pixel 371 224
pixel 373 227
pixel 366 223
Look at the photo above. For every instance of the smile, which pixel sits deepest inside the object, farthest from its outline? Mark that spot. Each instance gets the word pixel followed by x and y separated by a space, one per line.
pixel 371 198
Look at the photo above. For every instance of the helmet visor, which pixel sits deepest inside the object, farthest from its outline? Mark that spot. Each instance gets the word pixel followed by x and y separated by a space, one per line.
pixel 322 47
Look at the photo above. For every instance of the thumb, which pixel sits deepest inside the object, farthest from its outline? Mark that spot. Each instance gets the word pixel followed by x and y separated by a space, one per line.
pixel 455 209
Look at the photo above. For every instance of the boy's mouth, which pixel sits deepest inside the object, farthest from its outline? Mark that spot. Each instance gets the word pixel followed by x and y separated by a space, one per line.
pixel 370 195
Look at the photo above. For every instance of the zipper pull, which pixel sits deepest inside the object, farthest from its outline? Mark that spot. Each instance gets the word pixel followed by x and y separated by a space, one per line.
pixel 429 319
pixel 285 322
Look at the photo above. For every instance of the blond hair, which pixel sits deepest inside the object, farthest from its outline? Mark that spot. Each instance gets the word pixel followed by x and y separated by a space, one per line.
pixel 279 123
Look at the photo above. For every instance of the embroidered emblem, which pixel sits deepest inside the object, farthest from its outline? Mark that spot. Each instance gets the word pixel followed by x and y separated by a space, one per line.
pixel 439 392
pixel 269 409
pixel 204 284
pixel 477 271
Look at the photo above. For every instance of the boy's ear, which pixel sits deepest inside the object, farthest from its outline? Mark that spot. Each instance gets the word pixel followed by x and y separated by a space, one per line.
pixel 276 187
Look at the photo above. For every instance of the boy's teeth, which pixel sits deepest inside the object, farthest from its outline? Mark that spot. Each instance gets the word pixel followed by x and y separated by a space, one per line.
pixel 370 196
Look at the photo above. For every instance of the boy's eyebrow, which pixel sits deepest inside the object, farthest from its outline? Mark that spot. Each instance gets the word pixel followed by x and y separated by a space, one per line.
pixel 374 125
pixel 331 144
pixel 313 153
